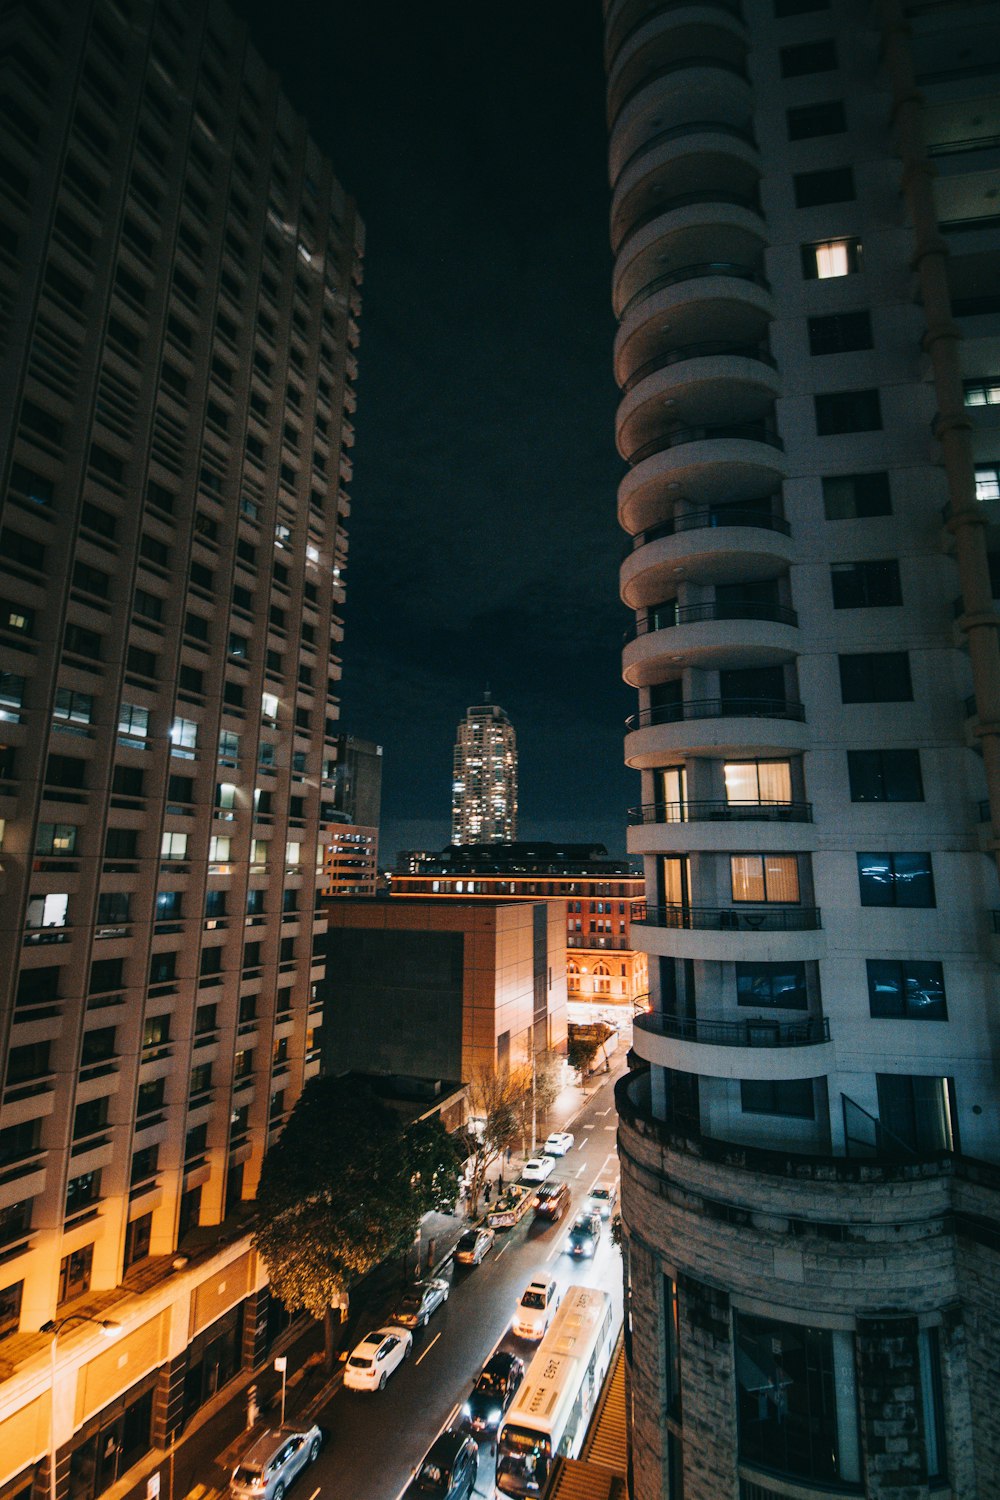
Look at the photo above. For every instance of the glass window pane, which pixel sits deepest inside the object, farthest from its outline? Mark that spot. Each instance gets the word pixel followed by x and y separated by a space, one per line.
pixel 781 877
pixel 747 873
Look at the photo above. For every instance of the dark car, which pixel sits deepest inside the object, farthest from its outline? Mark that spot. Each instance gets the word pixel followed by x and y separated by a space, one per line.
pixel 552 1200
pixel 448 1471
pixel 492 1393
pixel 584 1235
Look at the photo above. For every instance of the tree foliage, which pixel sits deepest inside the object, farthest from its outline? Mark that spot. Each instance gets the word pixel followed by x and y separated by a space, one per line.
pixel 581 1051
pixel 496 1102
pixel 344 1187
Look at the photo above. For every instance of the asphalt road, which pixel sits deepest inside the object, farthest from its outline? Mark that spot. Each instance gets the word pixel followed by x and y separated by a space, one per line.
pixel 373 1442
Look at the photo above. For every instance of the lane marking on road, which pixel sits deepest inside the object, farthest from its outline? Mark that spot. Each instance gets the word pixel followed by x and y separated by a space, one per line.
pixel 315 1492
pixel 602 1112
pixel 582 1170
pixel 611 1127
pixel 503 1247
pixel 427 1351
pixel 583 1143
pixel 611 1156
pixel 554 1251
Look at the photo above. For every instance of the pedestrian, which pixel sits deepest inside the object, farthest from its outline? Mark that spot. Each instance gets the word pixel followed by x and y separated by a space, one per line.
pixel 508 1155
pixel 487 1191
pixel 500 1181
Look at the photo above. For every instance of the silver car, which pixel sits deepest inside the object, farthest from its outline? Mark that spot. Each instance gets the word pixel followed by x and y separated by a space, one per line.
pixel 272 1461
pixel 420 1301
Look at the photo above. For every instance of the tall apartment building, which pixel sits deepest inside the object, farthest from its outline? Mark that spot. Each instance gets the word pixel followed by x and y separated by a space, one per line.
pixel 179 276
pixel 351 819
pixel 484 779
pixel 807 250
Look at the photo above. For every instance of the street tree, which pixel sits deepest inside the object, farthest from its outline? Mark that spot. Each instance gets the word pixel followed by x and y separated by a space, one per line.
pixel 496 1104
pixel 581 1051
pixel 345 1187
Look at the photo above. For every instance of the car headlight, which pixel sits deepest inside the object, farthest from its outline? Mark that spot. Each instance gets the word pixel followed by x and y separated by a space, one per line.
pixel 494 1415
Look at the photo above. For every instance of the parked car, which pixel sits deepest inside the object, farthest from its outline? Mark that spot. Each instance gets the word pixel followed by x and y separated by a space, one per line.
pixel 537 1168
pixel 374 1359
pixel 539 1301
pixel 448 1471
pixel 473 1246
pixel 552 1200
pixel 492 1393
pixel 601 1199
pixel 559 1142
pixel 423 1298
pixel 272 1461
pixel 584 1235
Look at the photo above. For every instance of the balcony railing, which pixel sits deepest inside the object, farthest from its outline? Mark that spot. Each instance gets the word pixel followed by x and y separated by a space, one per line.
pixel 704 350
pixel 694 272
pixel 756 1031
pixel 665 618
pixel 747 432
pixel 688 200
pixel 729 918
pixel 693 127
pixel 682 65
pixel 710 520
pixel 720 810
pixel 617 42
pixel 717 708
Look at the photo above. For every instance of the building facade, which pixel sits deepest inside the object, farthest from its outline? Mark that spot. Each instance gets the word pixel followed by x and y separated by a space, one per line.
pixel 442 989
pixel 179 274
pixel 806 286
pixel 351 819
pixel 595 892
pixel 484 778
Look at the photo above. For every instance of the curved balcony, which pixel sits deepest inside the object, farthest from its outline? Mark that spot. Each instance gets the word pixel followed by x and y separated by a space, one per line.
pixel 717 809
pixel 727 301
pixel 714 727
pixel 696 636
pixel 771 918
pixel 647 154
pixel 720 934
pixel 700 392
pixel 624 19
pixel 757 1047
pixel 706 466
pixel 730 544
pixel 701 230
pixel 689 37
pixel 705 349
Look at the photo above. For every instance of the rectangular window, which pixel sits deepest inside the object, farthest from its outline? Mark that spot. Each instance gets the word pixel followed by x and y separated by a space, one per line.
pixel 758 782
pixel 55 838
pixel 791 1098
pixel 74 1273
pixel 875 677
pixel 885 775
pixel 804 121
pixel 987 483
pixel 829 185
pixel 869 584
pixel 137 1239
pixel 851 497
pixel 916 1112
pixel 11 697
pixel 764 877
pixel 808 57
pixel 840 333
pixel 184 736
pixel 982 392
pixel 906 989
pixel 847 411
pixel 796 1400
pixel 896 879
pixel 10 1308
pixel 780 986
pixel 174 846
pixel 229 748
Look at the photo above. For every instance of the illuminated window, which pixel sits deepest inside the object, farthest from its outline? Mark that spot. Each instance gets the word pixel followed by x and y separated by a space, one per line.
pixel 269 706
pixel 184 737
pixel 982 393
pixel 174 846
pixel 758 781
pixel 831 258
pixel 987 483
pixel 218 849
pixel 764 877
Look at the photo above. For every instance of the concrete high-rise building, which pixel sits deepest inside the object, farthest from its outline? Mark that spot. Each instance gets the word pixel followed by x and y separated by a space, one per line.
pixel 351 819
pixel 484 780
pixel 179 275
pixel 807 264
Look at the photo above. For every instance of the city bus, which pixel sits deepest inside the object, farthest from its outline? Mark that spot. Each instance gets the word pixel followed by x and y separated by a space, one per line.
pixel 548 1417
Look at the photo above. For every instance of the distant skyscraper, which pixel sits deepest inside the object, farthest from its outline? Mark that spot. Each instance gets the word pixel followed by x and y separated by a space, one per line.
pixel 350 834
pixel 484 785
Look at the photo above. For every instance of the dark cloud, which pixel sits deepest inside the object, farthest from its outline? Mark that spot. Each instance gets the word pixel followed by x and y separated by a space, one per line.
pixel 483 532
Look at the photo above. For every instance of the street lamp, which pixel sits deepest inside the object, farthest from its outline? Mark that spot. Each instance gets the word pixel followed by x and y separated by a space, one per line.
pixel 54 1326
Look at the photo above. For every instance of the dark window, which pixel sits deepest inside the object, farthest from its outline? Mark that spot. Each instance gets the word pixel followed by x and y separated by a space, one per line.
pixel 144 1163
pixel 15 1221
pixel 38 420
pixel 98 1046
pixel 141 662
pixel 162 968
pixel 99 520
pixel 82 1191
pixel 201 1078
pixel 829 185
pixel 16 548
pixel 807 120
pixel 196 1141
pixel 792 1097
pixel 151 1096
pixel 106 974
pixel 156 1031
pixel 910 989
pixel 154 551
pixel 211 961
pixel 28 1062
pixel 150 606
pixel 191 680
pixel 90 1117
pixel 848 411
pixel 31 486
pixel 82 642
pixel 885 775
pixel 10 1308
pixel 121 843
pixel 772 985
pixel 875 677
pixel 808 57
pixel 916 1112
pixel 74 1273
pixel 38 986
pixel 839 333
pixel 787 1389
pixel 65 771
pixel 896 879
pixel 870 584
pixel 137 1239
pixel 19 1141
pixel 849 497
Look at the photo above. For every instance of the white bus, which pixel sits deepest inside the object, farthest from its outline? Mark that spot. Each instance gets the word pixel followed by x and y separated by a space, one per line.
pixel 550 1412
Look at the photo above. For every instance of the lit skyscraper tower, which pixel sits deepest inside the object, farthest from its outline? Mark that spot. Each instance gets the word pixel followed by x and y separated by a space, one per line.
pixel 484 784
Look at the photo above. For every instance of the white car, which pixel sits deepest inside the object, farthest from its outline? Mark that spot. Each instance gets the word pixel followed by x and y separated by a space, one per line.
pixel 559 1142
pixel 537 1168
pixel 539 1301
pixel 601 1199
pixel 374 1359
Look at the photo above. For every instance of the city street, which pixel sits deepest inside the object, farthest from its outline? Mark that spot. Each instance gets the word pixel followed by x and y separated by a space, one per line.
pixel 372 1443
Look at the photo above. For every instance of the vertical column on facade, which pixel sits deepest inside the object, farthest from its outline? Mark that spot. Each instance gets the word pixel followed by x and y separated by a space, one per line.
pixel 892 1422
pixel 966 521
pixel 255 1343
pixel 168 1402
pixel 709 1380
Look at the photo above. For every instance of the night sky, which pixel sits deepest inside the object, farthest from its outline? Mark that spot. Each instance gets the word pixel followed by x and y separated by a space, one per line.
pixel 483 540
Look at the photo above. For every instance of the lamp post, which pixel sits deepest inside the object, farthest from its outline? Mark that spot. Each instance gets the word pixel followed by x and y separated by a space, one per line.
pixel 54 1326
pixel 281 1365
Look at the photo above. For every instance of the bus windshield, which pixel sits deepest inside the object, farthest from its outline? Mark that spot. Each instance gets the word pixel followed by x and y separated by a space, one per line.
pixel 522 1461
